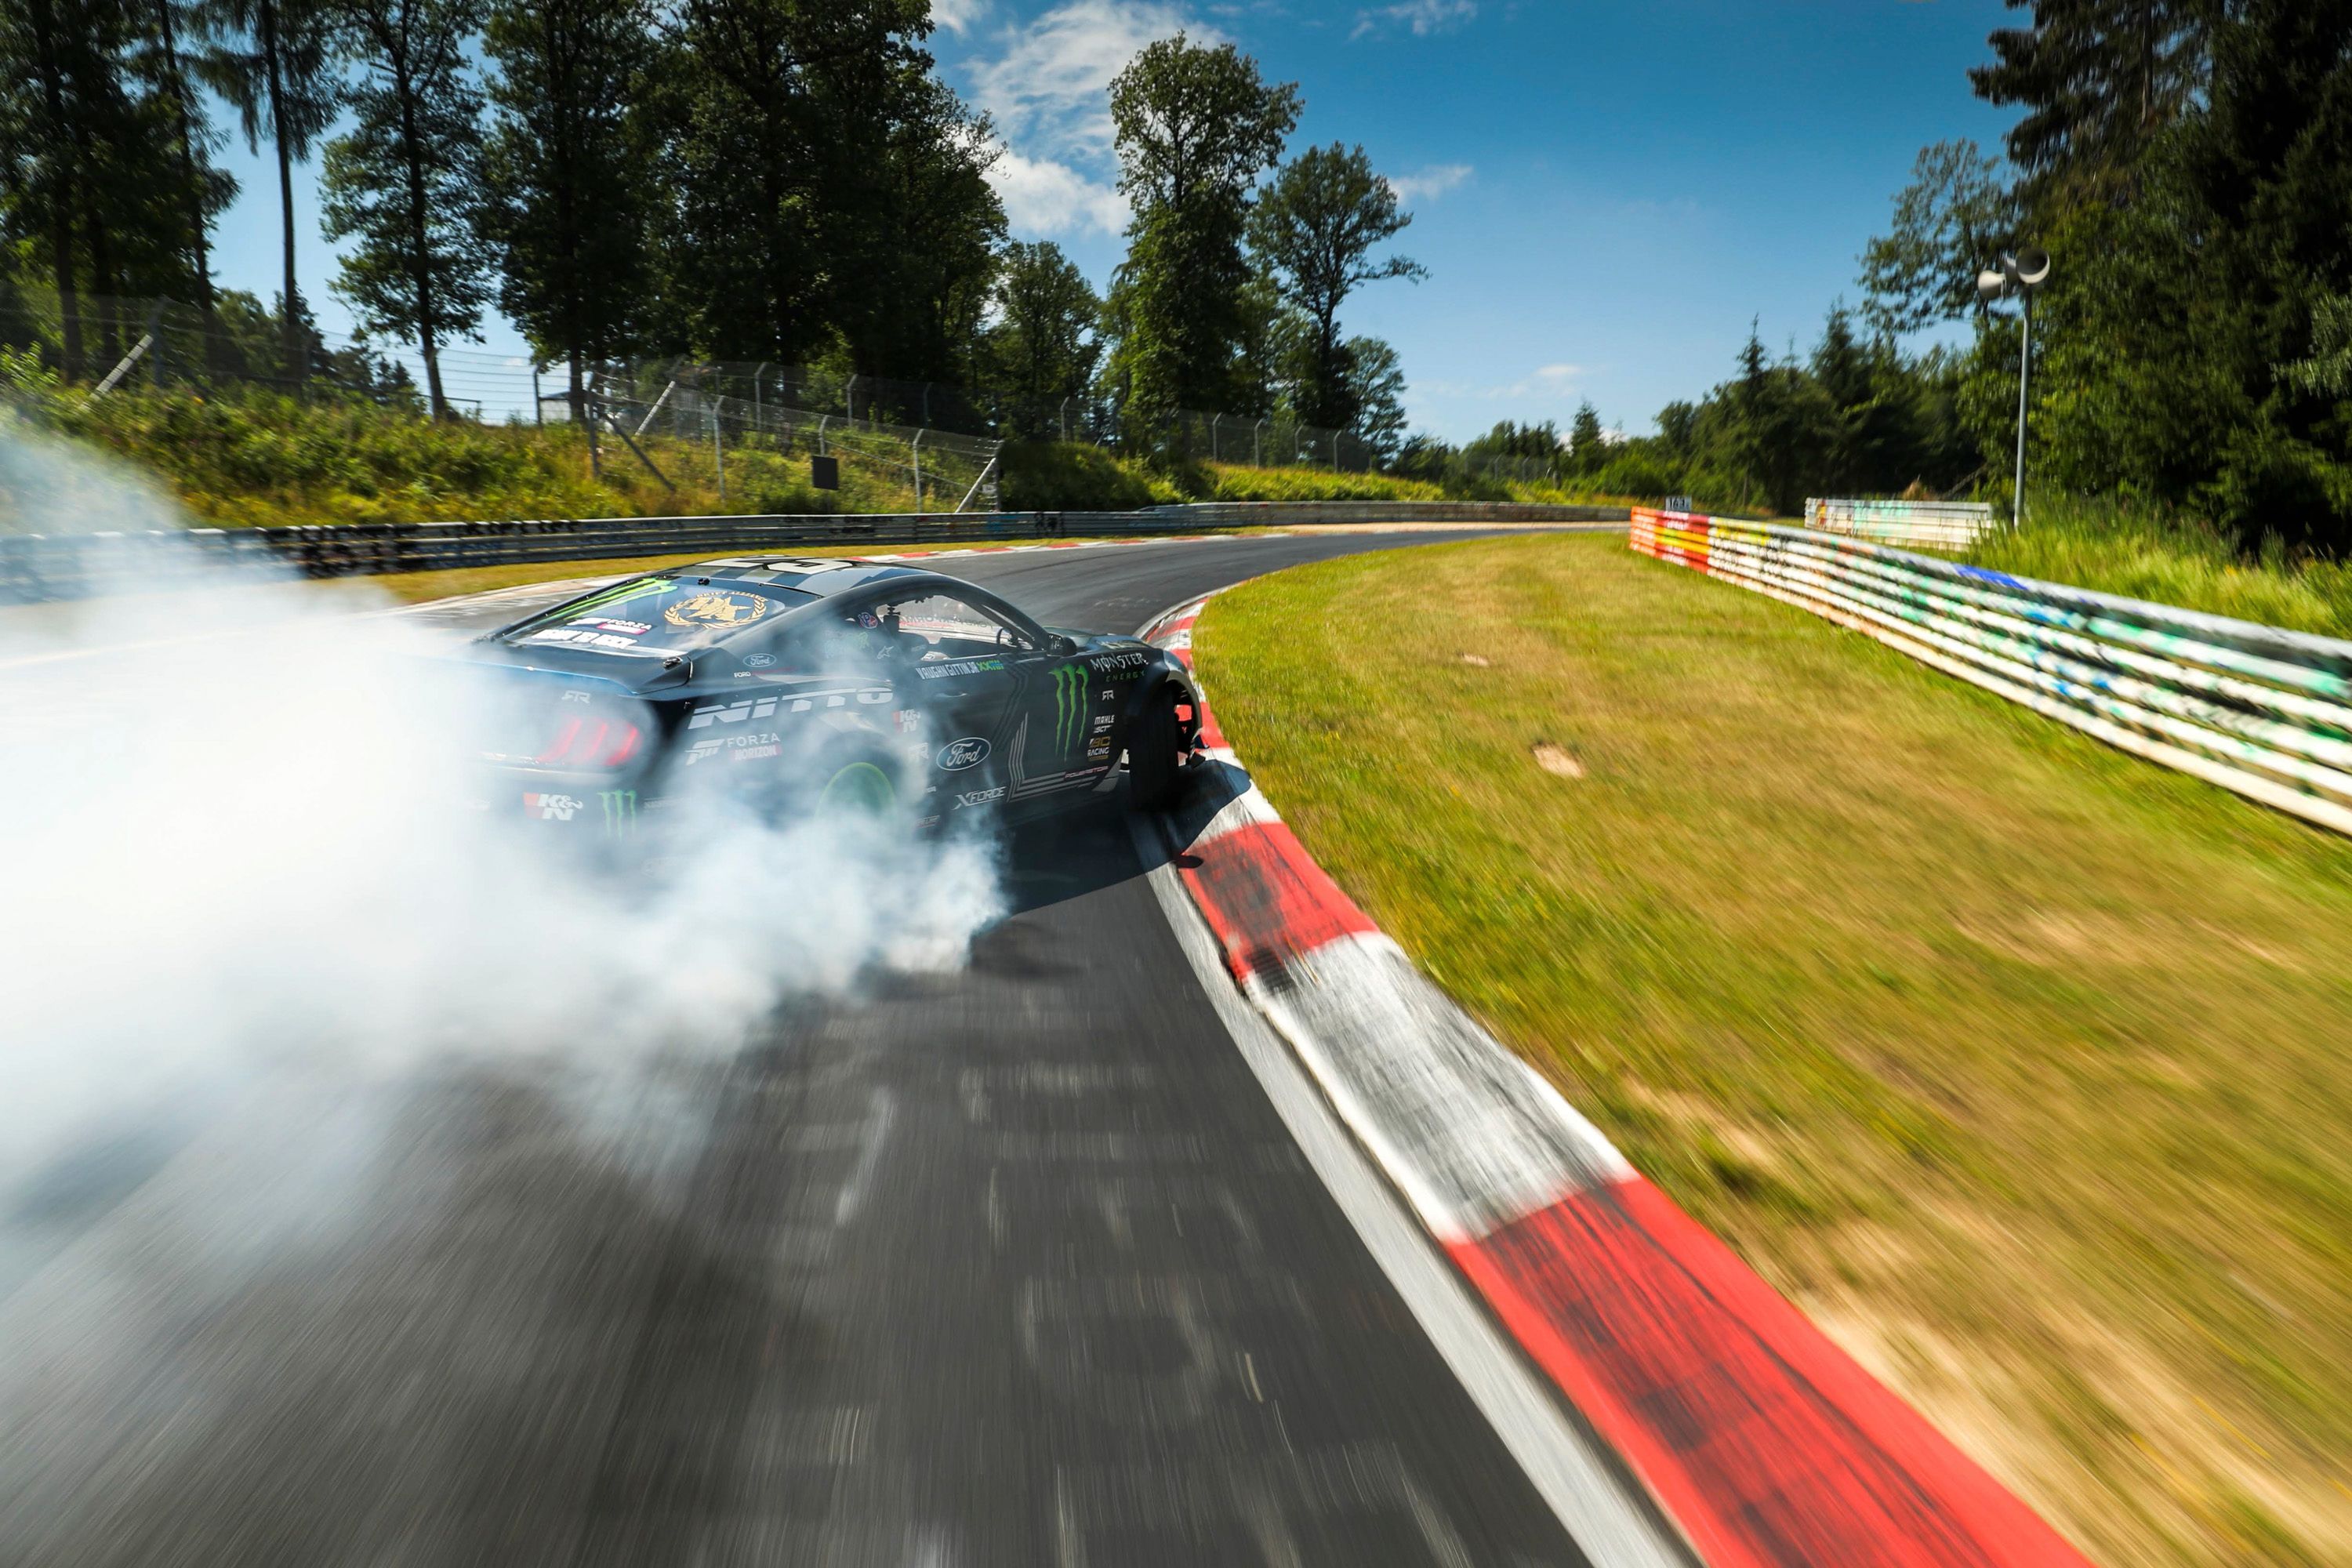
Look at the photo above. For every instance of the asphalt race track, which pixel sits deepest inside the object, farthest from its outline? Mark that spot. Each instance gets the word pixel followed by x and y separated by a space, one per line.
pixel 1015 1266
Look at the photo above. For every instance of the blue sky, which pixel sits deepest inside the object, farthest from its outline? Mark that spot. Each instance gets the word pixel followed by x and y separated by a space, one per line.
pixel 1604 195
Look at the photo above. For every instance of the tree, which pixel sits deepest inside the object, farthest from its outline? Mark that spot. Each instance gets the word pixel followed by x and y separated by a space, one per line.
pixel 774 115
pixel 279 74
pixel 1376 391
pixel 204 190
pixel 1316 228
pixel 566 188
pixel 92 180
pixel 1045 342
pixel 2099 80
pixel 1586 445
pixel 1194 128
pixel 1952 220
pixel 405 184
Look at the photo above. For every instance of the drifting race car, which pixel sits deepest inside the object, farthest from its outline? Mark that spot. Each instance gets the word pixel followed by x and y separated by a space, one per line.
pixel 824 685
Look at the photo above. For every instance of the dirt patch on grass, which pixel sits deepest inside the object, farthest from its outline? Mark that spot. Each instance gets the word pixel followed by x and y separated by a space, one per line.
pixel 2017 1062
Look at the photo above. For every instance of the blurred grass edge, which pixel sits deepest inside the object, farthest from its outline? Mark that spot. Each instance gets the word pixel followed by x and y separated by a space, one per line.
pixel 2015 1061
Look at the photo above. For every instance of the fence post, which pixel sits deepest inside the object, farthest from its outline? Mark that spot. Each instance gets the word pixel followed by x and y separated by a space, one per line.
pixel 718 451
pixel 1066 419
pixel 919 467
pixel 1215 422
pixel 1257 445
pixel 538 408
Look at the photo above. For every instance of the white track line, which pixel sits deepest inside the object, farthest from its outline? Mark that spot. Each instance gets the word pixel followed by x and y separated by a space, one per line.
pixel 1611 1523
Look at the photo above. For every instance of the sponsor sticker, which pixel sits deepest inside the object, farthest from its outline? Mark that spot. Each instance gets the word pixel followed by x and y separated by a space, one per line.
pixel 958 667
pixel 550 808
pixel 910 720
pixel 1069 706
pixel 758 661
pixel 736 747
pixel 620 811
pixel 968 753
pixel 980 797
pixel 715 607
pixel 1109 662
pixel 627 629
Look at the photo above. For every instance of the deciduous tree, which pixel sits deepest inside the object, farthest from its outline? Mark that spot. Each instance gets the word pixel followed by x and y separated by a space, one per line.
pixel 1316 228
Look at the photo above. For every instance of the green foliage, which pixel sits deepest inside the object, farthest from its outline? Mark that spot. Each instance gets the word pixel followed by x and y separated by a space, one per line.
pixel 2186 336
pixel 1229 481
pixel 1315 229
pixel 1194 126
pixel 2099 80
pixel 269 458
pixel 404 183
pixel 1048 339
pixel 565 181
pixel 276 64
pixel 105 184
pixel 1070 476
pixel 1952 220
pixel 2172 559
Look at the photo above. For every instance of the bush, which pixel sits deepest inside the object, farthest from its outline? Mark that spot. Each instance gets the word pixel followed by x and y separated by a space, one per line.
pixel 1053 476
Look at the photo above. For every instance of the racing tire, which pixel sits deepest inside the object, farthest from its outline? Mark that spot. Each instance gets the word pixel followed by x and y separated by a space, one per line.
pixel 862 787
pixel 1155 756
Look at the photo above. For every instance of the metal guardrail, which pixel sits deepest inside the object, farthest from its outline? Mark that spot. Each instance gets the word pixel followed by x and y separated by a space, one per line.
pixel 2258 709
pixel 35 567
pixel 1938 525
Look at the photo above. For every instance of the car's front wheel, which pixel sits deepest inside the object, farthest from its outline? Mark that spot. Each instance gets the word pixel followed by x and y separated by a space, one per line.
pixel 1155 755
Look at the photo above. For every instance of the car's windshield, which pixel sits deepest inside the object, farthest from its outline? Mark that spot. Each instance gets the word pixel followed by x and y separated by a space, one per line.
pixel 656 616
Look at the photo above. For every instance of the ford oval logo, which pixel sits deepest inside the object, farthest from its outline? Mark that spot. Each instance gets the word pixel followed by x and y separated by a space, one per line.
pixel 968 753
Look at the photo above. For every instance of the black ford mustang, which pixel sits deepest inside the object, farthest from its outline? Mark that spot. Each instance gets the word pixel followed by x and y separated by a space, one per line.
pixel 817 684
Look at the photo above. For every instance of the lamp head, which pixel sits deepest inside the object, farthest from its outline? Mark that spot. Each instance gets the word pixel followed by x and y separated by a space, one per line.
pixel 2026 268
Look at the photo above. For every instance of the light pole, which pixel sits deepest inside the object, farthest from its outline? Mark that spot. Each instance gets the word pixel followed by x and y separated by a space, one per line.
pixel 2021 272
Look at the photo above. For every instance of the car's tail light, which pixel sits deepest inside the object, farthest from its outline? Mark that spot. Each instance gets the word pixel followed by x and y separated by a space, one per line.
pixel 590 740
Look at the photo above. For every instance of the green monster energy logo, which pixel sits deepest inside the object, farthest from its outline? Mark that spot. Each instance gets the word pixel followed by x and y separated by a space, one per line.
pixel 620 811
pixel 1069 706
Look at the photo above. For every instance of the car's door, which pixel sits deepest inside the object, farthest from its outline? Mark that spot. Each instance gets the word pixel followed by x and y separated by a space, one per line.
pixel 961 669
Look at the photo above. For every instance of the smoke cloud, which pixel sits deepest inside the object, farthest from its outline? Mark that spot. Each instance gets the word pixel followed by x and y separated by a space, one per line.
pixel 240 850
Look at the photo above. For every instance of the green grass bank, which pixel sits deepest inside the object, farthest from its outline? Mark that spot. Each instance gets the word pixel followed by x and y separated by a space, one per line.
pixel 2017 1062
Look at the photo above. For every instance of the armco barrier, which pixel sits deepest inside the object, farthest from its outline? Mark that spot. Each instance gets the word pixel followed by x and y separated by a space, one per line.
pixel 1938 525
pixel 65 566
pixel 2258 709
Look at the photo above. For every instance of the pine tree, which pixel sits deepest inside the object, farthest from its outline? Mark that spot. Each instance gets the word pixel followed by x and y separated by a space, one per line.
pixel 567 186
pixel 278 70
pixel 2099 80
pixel 405 182
pixel 1585 441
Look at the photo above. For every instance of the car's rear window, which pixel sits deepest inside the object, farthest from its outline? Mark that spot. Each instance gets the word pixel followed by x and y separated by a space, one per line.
pixel 656 616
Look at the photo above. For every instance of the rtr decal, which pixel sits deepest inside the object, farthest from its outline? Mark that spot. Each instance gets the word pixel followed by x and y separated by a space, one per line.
pixel 968 753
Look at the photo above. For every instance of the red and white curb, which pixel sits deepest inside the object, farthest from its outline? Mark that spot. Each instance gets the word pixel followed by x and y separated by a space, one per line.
pixel 1767 1445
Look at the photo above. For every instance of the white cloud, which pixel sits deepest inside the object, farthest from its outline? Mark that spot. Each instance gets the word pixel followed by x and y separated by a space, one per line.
pixel 1430 183
pixel 1421 18
pixel 1046 87
pixel 1545 380
pixel 1042 196
pixel 958 15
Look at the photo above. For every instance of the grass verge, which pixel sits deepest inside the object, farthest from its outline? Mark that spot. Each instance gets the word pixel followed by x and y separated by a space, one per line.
pixel 2015 1061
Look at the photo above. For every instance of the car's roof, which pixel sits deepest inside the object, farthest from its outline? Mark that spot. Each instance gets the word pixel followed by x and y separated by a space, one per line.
pixel 822 577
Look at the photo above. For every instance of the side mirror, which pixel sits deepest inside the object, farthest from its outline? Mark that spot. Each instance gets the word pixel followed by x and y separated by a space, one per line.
pixel 1059 646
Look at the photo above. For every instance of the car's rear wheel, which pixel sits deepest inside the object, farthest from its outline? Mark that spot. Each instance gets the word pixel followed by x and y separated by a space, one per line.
pixel 862 787
pixel 1155 755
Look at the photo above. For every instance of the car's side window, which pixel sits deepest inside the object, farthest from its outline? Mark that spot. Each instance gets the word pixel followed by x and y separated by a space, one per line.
pixel 944 626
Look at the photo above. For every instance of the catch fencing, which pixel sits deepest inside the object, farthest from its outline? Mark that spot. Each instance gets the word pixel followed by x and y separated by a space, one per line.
pixel 2258 709
pixel 1935 525
pixel 37 567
